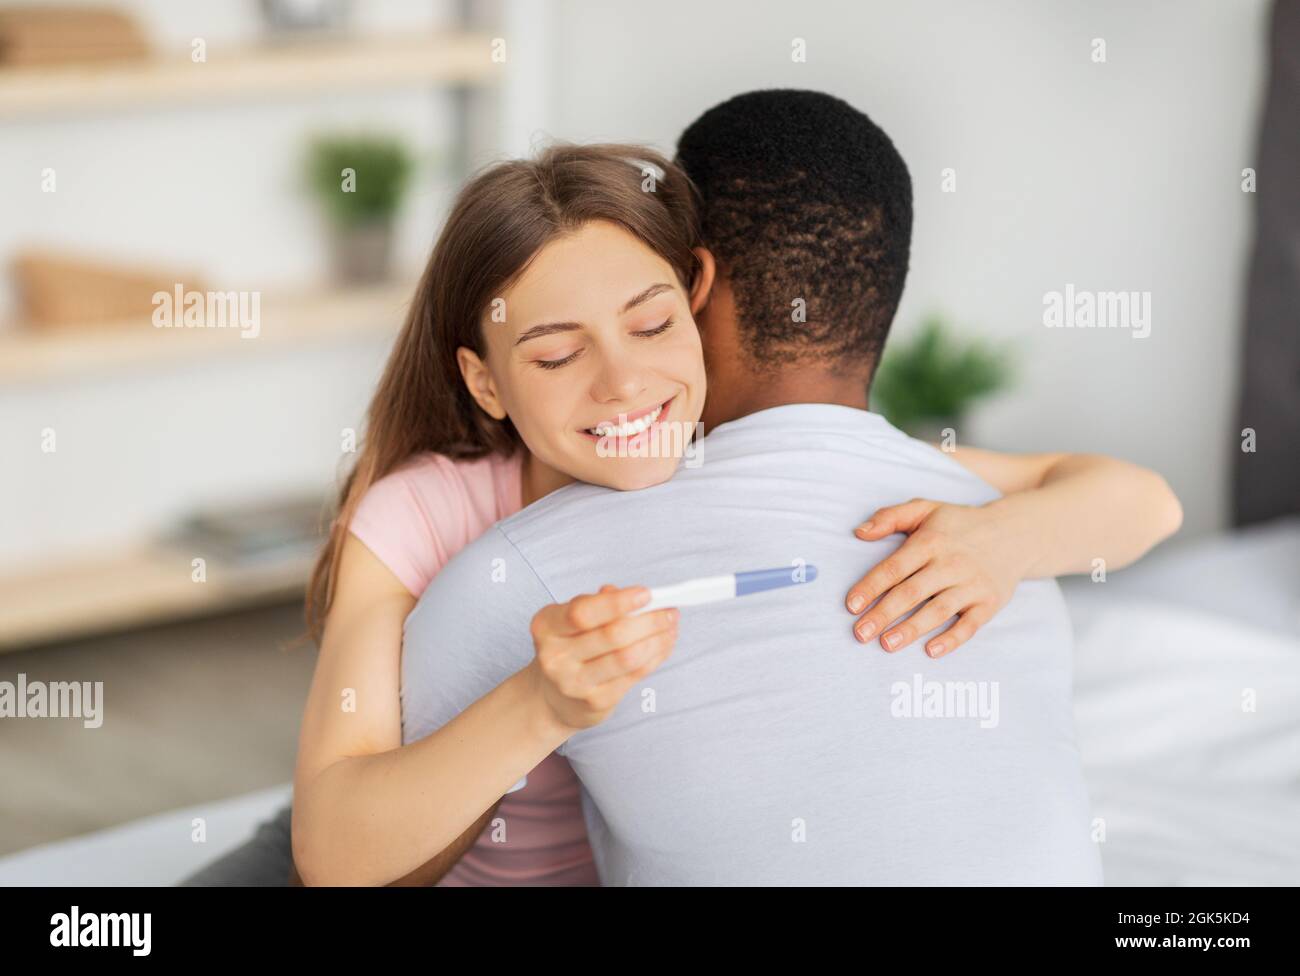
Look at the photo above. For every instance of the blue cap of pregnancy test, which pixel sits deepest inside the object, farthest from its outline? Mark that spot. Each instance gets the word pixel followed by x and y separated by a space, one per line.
pixel 773 579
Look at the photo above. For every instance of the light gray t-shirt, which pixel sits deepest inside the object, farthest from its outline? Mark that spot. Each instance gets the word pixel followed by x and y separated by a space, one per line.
pixel 772 747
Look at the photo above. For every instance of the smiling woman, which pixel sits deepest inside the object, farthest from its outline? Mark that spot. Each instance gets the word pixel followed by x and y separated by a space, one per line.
pixel 592 363
pixel 551 338
pixel 558 284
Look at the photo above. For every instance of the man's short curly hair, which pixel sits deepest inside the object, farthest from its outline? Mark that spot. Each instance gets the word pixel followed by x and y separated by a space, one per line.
pixel 803 197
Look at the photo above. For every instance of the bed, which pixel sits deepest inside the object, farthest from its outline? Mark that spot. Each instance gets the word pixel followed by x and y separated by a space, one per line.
pixel 1187 704
pixel 1187 701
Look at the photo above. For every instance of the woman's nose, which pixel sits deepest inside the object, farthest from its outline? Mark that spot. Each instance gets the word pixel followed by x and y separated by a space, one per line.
pixel 618 378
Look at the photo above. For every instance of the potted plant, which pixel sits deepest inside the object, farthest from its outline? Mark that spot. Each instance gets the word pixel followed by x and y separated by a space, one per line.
pixel 929 381
pixel 360 181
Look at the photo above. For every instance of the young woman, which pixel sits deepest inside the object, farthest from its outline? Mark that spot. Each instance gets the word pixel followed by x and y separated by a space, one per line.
pixel 559 298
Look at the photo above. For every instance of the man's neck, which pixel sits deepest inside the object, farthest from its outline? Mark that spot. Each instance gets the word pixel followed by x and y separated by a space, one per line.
pixel 798 386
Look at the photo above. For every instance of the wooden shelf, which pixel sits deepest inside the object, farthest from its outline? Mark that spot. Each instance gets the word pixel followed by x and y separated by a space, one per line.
pixel 149 585
pixel 30 355
pixel 273 70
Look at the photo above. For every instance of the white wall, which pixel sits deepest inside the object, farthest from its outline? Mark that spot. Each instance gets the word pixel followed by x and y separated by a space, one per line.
pixel 1115 176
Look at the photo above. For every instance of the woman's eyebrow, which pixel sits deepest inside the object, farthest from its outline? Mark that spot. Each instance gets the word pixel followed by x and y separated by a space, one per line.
pixel 645 296
pixel 549 328
pixel 537 331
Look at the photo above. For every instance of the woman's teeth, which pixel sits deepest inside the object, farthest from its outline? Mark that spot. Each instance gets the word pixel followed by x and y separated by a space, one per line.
pixel 629 429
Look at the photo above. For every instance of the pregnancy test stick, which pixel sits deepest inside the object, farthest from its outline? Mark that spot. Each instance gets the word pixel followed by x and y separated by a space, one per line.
pixel 711 589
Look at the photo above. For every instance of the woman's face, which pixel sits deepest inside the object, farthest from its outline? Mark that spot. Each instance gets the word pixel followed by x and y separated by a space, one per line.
pixel 594 355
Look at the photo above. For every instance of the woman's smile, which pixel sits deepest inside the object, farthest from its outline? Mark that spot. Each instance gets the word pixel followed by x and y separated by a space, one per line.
pixel 628 425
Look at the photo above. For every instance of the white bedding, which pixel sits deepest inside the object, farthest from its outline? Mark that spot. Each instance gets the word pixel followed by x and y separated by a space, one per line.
pixel 154 850
pixel 1192 789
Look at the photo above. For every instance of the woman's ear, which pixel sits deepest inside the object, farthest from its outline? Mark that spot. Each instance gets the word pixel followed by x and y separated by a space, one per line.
pixel 703 283
pixel 478 380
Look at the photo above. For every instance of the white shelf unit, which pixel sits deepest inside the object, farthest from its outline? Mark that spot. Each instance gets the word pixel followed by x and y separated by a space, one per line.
pixel 145 583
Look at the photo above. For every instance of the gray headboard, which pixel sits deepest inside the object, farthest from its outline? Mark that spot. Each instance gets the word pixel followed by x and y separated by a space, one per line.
pixel 1266 483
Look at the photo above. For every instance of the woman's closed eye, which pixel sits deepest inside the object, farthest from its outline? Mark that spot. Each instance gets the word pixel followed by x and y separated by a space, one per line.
pixel 557 363
pixel 659 329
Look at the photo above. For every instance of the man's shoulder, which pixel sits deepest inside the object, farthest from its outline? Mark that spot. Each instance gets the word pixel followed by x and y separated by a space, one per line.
pixel 468 632
pixel 488 574
pixel 744 467
pixel 566 514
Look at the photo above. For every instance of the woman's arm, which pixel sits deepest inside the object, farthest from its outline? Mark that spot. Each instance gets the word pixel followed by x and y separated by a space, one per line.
pixel 1058 515
pixel 362 804
pixel 1074 508
pixel 368 810
pixel 431 872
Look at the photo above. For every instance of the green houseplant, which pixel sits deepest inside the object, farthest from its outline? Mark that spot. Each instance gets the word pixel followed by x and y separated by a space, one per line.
pixel 360 182
pixel 930 380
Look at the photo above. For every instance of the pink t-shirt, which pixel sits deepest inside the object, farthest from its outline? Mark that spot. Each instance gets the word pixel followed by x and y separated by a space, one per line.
pixel 415 520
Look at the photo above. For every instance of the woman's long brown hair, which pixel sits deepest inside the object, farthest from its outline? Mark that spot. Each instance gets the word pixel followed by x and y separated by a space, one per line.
pixel 500 220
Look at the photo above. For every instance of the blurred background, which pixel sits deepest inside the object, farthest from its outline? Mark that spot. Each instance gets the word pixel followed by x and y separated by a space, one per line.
pixel 162 486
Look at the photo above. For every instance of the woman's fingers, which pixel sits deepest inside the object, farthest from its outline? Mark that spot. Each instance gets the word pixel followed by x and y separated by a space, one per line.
pixel 896 518
pixel 614 690
pixel 654 661
pixel 633 661
pixel 960 632
pixel 591 650
pixel 622 634
pixel 898 601
pixel 587 612
pixel 594 610
pixel 942 606
pixel 889 572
